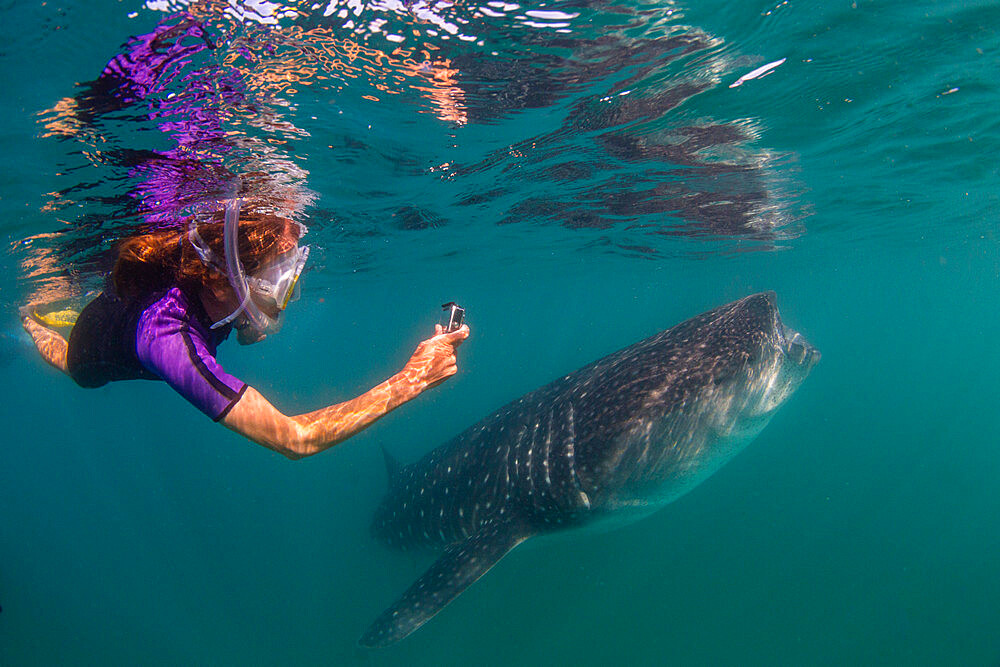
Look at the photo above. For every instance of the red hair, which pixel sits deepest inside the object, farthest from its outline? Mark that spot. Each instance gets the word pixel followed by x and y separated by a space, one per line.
pixel 163 259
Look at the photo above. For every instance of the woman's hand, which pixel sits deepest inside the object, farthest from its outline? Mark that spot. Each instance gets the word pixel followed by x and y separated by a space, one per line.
pixel 306 434
pixel 433 362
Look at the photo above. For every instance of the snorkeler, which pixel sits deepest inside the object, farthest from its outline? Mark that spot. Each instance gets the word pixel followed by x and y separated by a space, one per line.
pixel 173 296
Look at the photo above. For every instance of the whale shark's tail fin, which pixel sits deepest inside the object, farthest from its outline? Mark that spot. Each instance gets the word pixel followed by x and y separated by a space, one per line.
pixel 460 565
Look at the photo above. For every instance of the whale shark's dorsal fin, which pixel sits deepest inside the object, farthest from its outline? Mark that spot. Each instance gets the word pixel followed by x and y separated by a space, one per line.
pixel 460 565
pixel 393 467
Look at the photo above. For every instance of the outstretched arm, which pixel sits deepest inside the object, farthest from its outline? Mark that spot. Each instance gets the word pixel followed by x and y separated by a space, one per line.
pixel 51 345
pixel 303 435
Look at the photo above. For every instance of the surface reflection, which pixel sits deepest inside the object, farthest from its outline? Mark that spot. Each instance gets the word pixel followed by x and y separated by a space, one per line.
pixel 588 105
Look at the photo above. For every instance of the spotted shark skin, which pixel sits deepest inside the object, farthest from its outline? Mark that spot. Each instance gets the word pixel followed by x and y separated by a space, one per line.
pixel 612 442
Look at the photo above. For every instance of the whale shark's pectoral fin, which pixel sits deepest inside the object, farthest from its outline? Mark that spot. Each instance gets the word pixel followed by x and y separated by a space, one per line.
pixel 460 565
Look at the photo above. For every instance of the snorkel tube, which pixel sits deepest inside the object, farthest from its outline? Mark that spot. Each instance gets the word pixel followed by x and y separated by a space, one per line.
pixel 234 269
pixel 260 322
pixel 271 288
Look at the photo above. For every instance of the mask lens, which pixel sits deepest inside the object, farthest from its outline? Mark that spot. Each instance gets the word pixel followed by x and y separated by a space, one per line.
pixel 292 294
pixel 279 283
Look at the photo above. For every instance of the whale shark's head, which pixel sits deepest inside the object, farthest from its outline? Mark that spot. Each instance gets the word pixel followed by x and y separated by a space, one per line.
pixel 794 358
pixel 708 387
pixel 783 360
pixel 752 364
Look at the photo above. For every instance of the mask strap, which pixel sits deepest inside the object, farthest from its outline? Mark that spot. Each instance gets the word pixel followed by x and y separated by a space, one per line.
pixel 204 252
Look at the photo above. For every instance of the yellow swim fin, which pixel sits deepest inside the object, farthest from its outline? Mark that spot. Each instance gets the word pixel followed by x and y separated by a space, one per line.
pixel 58 318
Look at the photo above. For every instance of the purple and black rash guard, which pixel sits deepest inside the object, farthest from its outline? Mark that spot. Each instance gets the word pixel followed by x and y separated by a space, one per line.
pixel 178 348
pixel 164 337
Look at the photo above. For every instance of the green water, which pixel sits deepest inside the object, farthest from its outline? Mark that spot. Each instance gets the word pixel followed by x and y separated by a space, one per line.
pixel 862 527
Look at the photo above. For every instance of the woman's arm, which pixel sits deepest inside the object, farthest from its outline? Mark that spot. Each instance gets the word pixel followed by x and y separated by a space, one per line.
pixel 51 345
pixel 304 435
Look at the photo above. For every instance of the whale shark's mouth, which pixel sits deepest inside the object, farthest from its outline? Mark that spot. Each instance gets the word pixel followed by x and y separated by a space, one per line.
pixel 799 351
pixel 794 362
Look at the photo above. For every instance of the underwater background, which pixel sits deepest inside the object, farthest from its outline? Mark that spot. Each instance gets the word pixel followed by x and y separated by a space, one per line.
pixel 579 175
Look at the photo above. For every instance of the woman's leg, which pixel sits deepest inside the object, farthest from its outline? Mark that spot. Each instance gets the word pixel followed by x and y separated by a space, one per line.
pixel 51 345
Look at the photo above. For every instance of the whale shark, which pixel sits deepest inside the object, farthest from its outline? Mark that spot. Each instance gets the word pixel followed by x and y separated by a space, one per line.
pixel 609 443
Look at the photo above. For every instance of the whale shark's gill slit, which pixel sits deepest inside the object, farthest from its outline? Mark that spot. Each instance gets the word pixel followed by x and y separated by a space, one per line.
pixel 506 466
pixel 582 498
pixel 545 459
pixel 643 458
pixel 571 434
pixel 525 446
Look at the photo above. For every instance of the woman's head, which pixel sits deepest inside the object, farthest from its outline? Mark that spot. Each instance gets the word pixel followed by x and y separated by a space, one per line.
pixel 162 259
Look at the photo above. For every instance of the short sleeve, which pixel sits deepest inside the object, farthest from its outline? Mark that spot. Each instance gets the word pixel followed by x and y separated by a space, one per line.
pixel 171 346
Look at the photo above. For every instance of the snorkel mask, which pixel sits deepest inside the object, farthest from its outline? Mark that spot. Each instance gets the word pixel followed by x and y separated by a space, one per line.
pixel 261 296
